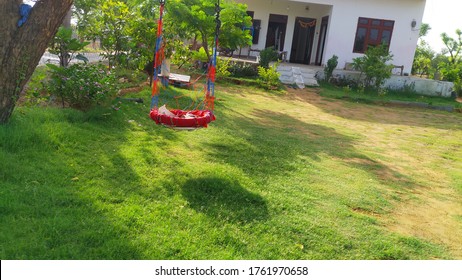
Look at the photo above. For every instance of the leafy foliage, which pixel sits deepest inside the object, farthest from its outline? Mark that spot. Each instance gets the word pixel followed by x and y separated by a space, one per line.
pixel 141 46
pixel 86 12
pixel 268 55
pixel 446 65
pixel 200 55
pixel 423 59
pixel 243 70
pixel 330 67
pixel 268 78
pixel 65 46
pixel 182 55
pixel 112 28
pixel 374 65
pixel 127 29
pixel 223 67
pixel 424 28
pixel 451 69
pixel 454 47
pixel 196 19
pixel 35 91
pixel 82 86
pixel 232 33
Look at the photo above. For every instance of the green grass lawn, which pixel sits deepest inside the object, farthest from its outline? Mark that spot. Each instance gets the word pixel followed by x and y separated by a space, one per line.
pixel 371 96
pixel 287 175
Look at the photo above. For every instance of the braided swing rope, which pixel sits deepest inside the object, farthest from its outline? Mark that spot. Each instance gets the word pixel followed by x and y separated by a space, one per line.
pixel 203 116
pixel 157 58
pixel 211 76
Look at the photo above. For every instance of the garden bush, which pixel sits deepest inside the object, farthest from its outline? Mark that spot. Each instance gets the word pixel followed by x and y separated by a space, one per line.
pixel 330 67
pixel 82 86
pixel 268 55
pixel 374 65
pixel 240 70
pixel 200 58
pixel 65 46
pixel 268 78
pixel 223 67
pixel 35 91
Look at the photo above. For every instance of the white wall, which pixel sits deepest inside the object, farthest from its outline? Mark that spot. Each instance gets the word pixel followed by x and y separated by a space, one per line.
pixel 263 8
pixel 343 21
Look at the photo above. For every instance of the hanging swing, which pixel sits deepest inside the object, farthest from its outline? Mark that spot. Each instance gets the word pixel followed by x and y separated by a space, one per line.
pixel 184 119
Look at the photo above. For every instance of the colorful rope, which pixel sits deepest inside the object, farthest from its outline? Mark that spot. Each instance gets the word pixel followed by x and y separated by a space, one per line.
pixel 158 58
pixel 210 95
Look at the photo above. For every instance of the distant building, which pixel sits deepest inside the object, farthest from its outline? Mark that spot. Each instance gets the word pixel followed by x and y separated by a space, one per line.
pixel 312 31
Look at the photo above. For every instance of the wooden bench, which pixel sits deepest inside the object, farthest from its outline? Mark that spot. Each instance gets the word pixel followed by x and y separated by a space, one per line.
pixel 399 67
pixel 178 79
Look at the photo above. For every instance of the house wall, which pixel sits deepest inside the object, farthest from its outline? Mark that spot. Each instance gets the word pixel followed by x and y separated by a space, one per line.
pixel 343 19
pixel 418 85
pixel 263 8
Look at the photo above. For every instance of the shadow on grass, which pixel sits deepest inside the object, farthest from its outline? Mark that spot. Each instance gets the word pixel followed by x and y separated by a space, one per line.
pixel 270 144
pixel 224 200
pixel 60 172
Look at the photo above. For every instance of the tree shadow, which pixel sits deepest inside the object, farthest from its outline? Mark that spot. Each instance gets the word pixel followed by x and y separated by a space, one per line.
pixel 256 147
pixel 224 200
pixel 54 206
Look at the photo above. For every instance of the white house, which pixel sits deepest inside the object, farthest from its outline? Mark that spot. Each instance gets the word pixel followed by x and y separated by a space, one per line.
pixel 312 31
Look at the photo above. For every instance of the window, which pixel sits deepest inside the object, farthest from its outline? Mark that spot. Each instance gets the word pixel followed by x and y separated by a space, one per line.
pixel 255 29
pixel 372 32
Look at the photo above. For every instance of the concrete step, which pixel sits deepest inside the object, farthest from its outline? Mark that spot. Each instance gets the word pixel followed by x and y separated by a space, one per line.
pixel 297 75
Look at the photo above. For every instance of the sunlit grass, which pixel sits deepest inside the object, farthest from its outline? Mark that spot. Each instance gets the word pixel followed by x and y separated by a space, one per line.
pixel 276 176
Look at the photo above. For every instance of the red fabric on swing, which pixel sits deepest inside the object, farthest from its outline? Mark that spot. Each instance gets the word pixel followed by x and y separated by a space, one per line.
pixel 201 118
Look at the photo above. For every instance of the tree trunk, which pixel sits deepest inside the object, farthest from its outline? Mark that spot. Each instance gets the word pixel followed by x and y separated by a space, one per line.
pixel 67 19
pixel 205 45
pixel 22 47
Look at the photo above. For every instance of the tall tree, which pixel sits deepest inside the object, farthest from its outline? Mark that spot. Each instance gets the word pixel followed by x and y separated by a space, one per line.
pixel 454 46
pixel 423 54
pixel 22 47
pixel 451 70
pixel 86 12
pixel 198 16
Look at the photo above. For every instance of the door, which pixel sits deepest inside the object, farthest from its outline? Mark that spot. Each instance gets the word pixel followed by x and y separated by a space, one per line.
pixel 322 40
pixel 302 43
pixel 276 32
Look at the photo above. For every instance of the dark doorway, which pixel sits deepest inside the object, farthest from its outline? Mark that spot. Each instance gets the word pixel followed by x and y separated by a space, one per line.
pixel 302 43
pixel 276 32
pixel 322 40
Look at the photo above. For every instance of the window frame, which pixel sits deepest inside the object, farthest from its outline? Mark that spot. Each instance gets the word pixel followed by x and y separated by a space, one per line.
pixel 256 26
pixel 370 25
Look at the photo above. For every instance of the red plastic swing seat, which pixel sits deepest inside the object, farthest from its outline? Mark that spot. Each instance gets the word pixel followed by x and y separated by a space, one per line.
pixel 201 118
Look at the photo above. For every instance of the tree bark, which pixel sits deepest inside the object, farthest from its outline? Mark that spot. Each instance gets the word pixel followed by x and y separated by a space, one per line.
pixel 22 47
pixel 67 19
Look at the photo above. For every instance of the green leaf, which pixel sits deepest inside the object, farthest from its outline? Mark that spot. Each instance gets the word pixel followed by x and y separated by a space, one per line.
pixel 54 67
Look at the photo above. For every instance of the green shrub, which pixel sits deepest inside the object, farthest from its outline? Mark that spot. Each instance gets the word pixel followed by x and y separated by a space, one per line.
pixel 182 56
pixel 458 88
pixel 222 67
pixel 35 91
pixel 82 86
pixel 65 47
pixel 200 55
pixel 268 78
pixel 374 65
pixel 268 55
pixel 240 70
pixel 200 58
pixel 330 67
